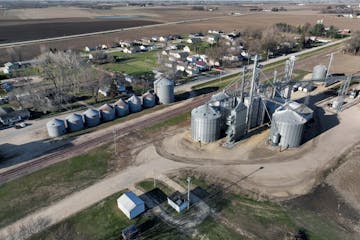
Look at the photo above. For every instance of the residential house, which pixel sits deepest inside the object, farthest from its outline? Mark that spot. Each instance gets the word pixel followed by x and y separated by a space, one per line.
pixel 10 67
pixel 212 39
pixel 179 55
pixel 202 66
pixel 143 48
pixel 163 39
pixel 186 49
pixel 193 40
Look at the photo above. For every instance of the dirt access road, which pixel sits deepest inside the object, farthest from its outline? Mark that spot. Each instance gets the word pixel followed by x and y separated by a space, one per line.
pixel 279 180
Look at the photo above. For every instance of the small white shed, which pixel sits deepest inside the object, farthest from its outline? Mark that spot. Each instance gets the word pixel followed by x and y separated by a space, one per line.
pixel 131 205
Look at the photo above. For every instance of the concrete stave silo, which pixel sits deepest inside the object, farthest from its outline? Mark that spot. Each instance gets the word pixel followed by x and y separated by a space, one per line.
pixel 56 127
pixel 164 90
pixel 135 104
pixel 74 122
pixel 91 117
pixel 319 72
pixel 205 124
pixel 107 112
pixel 121 108
pixel 148 100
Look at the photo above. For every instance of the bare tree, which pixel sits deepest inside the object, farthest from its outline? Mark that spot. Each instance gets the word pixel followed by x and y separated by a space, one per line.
pixel 217 51
pixel 94 79
pixel 62 73
pixel 353 45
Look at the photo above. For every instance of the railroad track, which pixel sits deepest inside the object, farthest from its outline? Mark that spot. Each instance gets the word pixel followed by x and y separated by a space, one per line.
pixel 83 147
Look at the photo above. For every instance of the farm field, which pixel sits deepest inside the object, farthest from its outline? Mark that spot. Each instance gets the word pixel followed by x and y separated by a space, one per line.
pixel 38 29
pixel 257 20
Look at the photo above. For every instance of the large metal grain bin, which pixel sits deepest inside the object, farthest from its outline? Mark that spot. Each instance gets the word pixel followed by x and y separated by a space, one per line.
pixel 164 90
pixel 91 117
pixel 205 124
pixel 287 128
pixel 56 128
pixel 107 112
pixel 134 103
pixel 319 72
pixel 74 122
pixel 148 100
pixel 121 108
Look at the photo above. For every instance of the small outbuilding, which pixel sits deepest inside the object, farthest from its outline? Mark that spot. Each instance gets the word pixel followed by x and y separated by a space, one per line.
pixel 130 232
pixel 131 205
pixel 178 201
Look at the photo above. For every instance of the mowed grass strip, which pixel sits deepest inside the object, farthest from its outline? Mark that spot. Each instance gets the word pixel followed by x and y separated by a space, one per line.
pixel 29 193
pixel 104 221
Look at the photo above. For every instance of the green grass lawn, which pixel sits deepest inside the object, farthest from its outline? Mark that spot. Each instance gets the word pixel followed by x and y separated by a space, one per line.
pixel 148 185
pixel 213 230
pixel 134 64
pixel 104 221
pixel 26 194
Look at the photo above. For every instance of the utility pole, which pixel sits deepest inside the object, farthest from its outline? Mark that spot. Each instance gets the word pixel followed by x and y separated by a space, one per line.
pixel 188 193
pixel 154 179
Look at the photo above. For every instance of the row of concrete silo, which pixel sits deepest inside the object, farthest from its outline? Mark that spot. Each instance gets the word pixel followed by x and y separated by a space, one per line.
pixel 107 112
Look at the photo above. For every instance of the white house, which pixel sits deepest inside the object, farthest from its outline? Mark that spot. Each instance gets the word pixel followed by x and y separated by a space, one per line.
pixel 163 39
pixel 143 48
pixel 179 55
pixel 193 40
pixel 131 205
pixel 186 49
pixel 169 65
pixel 9 67
pixel 212 39
pixel 178 201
